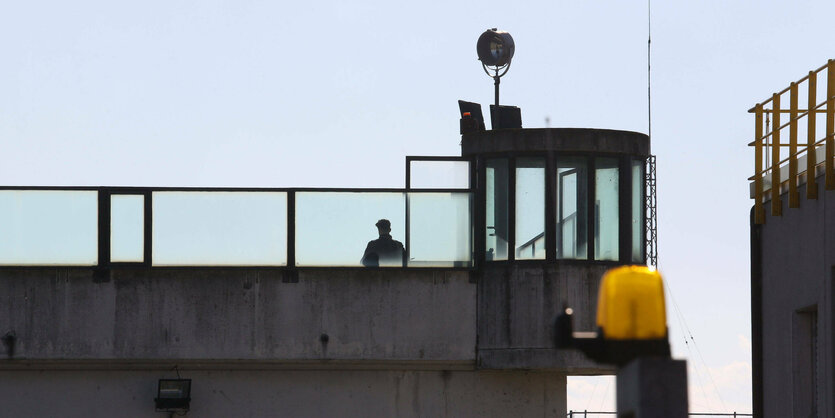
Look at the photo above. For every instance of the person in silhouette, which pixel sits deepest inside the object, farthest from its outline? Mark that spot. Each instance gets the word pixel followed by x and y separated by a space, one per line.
pixel 384 251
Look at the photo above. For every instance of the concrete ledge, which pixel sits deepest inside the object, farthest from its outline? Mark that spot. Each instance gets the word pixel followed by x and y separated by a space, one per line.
pixel 556 139
pixel 567 361
pixel 236 365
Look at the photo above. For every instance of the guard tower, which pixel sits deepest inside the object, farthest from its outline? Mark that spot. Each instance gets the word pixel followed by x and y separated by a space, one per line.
pixel 555 209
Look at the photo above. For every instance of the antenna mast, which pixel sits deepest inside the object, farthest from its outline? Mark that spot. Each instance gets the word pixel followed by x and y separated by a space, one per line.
pixel 649 67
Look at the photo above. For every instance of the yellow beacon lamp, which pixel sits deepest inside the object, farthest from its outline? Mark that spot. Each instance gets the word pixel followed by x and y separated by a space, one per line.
pixel 631 319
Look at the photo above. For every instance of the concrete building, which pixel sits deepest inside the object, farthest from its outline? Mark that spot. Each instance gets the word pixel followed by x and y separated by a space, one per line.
pixel 793 251
pixel 259 297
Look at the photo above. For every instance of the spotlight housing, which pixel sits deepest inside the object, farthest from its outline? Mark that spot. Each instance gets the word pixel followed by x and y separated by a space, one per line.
pixel 173 395
pixel 495 48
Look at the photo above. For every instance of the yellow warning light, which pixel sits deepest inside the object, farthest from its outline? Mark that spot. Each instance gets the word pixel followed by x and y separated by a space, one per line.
pixel 630 304
pixel 631 319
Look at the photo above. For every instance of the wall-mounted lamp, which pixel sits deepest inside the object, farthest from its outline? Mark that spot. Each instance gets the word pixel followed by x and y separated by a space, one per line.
pixel 173 395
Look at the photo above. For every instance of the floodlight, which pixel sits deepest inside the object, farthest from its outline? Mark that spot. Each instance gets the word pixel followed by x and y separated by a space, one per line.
pixel 495 48
pixel 173 395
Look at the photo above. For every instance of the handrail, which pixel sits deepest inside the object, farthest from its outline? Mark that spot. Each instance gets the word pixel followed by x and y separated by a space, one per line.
pixel 796 118
pixel 272 222
pixel 768 170
pixel 762 145
pixel 751 110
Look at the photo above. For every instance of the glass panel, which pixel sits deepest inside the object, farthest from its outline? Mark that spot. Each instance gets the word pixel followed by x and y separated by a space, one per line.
pixel 572 208
pixel 439 174
pixel 339 228
pixel 219 228
pixel 530 208
pixel 48 227
pixel 497 219
pixel 606 209
pixel 638 242
pixel 439 230
pixel 127 228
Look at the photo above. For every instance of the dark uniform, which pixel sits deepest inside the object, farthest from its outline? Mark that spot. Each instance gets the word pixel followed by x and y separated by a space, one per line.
pixel 383 251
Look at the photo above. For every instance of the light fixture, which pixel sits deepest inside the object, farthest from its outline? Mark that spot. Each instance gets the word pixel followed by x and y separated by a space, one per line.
pixel 495 49
pixel 631 319
pixel 173 395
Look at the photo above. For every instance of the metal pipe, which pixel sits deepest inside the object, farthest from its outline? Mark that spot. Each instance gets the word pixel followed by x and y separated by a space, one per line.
pixel 497 79
pixel 758 166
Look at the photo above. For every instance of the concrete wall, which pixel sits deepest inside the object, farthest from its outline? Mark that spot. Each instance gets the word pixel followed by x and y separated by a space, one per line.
pixel 517 304
pixel 287 393
pixel 399 342
pixel 239 314
pixel 798 254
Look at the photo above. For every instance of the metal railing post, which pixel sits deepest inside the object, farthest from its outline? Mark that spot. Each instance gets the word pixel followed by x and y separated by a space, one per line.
pixel 794 199
pixel 776 203
pixel 759 211
pixel 811 154
pixel 830 125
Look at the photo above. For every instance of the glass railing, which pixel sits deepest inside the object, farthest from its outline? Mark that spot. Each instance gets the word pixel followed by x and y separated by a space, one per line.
pixel 127 228
pixel 440 230
pixel 48 227
pixel 244 228
pixel 334 228
pixel 198 228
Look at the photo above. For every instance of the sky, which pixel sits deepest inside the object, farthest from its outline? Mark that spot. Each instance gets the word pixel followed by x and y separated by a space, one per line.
pixel 336 94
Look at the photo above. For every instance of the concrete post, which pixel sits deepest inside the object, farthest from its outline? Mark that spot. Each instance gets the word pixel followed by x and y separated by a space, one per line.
pixel 652 387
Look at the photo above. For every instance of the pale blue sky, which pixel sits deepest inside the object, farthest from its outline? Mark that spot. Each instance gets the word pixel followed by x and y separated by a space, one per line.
pixel 335 94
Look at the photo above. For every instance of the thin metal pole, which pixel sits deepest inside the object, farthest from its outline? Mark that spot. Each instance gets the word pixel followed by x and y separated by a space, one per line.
pixel 759 173
pixel 497 79
pixel 649 69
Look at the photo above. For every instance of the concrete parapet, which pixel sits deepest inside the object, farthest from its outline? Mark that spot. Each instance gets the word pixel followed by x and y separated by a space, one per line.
pixel 240 314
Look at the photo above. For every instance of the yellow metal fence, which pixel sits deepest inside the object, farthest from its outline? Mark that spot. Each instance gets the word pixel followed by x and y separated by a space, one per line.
pixel 769 139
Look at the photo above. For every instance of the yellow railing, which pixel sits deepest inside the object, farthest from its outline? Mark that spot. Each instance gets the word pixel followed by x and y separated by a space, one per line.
pixel 767 140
